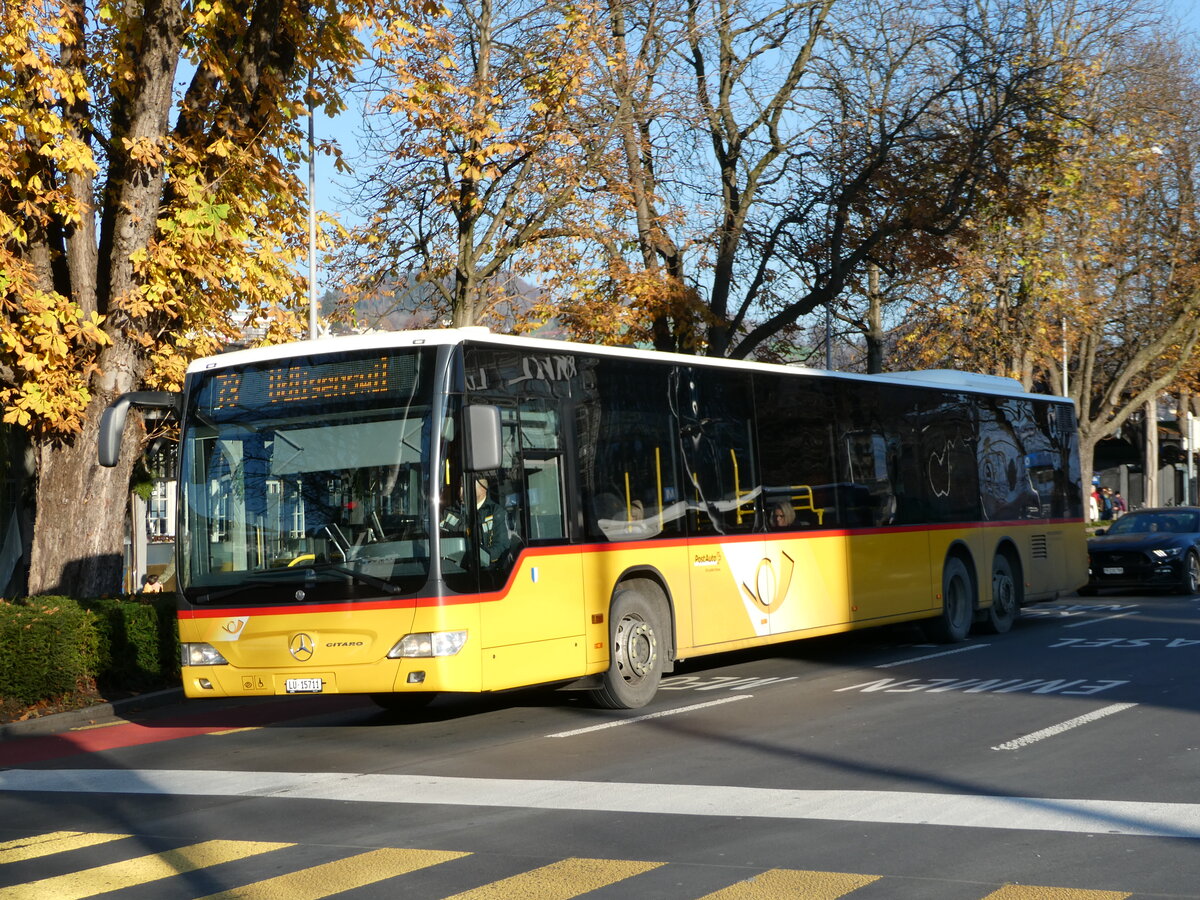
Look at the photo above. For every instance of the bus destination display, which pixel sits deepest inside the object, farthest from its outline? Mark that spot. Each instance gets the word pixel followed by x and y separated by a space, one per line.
pixel 305 383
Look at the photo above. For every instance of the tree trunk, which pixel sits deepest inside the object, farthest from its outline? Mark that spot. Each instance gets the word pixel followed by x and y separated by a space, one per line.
pixel 80 511
pixel 1087 458
pixel 79 538
pixel 874 334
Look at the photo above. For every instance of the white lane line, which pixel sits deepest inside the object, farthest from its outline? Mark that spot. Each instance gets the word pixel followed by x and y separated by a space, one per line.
pixel 657 715
pixel 905 662
pixel 1101 619
pixel 1125 817
pixel 1064 726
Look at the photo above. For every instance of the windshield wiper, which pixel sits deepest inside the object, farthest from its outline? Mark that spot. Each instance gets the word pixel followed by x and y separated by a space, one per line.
pixel 251 580
pixel 363 577
pixel 257 579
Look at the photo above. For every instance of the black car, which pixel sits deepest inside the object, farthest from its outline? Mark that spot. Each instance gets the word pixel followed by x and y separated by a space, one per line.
pixel 1148 548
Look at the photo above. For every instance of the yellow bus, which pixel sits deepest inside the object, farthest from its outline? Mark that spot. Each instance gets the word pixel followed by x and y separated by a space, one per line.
pixel 411 513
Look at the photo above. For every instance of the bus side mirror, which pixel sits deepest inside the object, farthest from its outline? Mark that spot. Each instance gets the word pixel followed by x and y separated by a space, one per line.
pixel 483 438
pixel 112 423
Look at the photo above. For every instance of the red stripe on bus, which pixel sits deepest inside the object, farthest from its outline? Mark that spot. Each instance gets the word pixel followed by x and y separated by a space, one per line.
pixel 563 549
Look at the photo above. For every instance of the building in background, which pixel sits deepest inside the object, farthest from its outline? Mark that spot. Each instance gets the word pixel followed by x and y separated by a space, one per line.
pixel 1154 467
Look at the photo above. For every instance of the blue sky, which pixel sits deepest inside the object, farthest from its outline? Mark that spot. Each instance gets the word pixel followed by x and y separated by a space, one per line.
pixel 1188 11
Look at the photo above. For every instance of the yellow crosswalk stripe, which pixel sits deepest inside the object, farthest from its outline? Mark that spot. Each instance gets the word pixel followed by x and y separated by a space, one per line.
pixel 795 883
pixel 332 878
pixel 1033 892
pixel 563 880
pixel 52 842
pixel 142 870
pixel 559 881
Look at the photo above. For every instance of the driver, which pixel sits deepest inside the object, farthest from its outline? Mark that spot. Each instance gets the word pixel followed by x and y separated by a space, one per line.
pixel 490 519
pixel 492 522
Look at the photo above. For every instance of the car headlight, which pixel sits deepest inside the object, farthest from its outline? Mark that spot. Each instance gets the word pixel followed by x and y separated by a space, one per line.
pixel 201 655
pixel 428 643
pixel 1167 552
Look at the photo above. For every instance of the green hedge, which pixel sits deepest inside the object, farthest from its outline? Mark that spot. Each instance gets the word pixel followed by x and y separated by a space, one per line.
pixel 50 646
pixel 138 641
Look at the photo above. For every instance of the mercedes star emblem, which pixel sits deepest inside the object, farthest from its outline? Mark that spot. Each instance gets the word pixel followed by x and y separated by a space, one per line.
pixel 301 647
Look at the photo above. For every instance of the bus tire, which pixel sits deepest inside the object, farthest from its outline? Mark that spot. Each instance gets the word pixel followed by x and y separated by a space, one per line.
pixel 1006 598
pixel 636 646
pixel 403 701
pixel 958 605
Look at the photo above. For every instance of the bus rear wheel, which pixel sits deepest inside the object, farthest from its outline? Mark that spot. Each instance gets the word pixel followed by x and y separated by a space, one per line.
pixel 1006 598
pixel 636 647
pixel 958 605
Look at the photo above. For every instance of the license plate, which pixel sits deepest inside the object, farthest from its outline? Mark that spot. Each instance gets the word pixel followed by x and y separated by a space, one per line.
pixel 304 685
pixel 1114 570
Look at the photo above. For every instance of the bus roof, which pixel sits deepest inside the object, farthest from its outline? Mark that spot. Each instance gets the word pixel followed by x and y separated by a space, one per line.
pixel 937 378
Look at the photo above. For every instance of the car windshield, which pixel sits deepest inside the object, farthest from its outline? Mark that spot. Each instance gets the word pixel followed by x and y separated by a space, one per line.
pixel 307 478
pixel 1152 521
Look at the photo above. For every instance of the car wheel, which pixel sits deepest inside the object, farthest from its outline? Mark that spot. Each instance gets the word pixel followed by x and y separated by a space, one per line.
pixel 1191 574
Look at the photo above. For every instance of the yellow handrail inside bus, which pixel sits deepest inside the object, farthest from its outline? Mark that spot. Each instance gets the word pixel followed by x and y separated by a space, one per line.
pixel 658 475
pixel 628 505
pixel 737 487
pixel 802 497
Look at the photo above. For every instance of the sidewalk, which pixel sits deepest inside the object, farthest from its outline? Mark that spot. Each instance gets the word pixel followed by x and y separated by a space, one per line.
pixel 89 715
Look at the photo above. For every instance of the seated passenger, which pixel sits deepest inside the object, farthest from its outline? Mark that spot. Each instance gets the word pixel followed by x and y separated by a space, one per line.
pixel 782 516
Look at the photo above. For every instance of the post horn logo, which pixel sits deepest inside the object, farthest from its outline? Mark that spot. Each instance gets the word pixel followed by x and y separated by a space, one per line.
pixel 768 591
pixel 301 647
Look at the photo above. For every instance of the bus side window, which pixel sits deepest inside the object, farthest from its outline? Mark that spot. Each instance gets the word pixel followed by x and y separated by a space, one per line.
pixel 716 421
pixel 627 453
pixel 796 426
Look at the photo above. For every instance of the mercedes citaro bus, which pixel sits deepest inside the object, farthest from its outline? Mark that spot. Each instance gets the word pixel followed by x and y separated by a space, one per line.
pixel 409 513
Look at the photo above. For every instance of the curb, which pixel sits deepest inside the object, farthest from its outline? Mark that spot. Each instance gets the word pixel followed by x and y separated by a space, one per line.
pixel 87 715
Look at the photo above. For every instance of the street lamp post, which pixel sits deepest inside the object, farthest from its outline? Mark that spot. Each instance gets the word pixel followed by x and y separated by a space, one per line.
pixel 312 213
pixel 1065 358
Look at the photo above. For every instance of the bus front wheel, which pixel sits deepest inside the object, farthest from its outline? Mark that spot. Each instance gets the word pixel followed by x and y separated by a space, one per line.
pixel 958 605
pixel 636 647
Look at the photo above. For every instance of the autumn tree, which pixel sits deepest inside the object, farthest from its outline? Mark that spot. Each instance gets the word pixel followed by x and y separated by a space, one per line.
pixel 621 276
pixel 149 206
pixel 1103 266
pixel 772 151
pixel 475 150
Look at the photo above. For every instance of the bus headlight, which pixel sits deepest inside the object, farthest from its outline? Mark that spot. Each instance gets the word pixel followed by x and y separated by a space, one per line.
pixel 428 643
pixel 201 655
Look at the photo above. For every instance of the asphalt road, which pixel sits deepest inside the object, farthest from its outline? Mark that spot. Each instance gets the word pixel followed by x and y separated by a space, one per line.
pixel 1058 761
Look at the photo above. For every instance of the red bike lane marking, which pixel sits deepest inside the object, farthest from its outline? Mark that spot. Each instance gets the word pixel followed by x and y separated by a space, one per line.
pixel 39 748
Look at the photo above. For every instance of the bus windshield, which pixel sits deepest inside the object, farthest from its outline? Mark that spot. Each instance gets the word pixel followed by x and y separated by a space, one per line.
pixel 307 479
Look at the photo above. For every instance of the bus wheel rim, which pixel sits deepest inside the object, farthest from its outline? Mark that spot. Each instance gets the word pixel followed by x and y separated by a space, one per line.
pixel 636 649
pixel 1004 593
